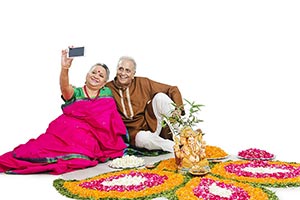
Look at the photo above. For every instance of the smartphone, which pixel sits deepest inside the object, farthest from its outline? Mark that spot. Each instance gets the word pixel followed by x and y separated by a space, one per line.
pixel 76 51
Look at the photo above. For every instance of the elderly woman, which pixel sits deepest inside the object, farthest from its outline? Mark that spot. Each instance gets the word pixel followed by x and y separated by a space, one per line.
pixel 90 129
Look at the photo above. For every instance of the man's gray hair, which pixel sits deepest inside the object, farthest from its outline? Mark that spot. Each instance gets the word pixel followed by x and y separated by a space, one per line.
pixel 129 59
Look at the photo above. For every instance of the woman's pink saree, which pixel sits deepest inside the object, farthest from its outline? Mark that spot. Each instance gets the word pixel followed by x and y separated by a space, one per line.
pixel 88 132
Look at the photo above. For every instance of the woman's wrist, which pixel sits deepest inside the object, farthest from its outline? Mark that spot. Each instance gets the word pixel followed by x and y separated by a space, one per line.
pixel 64 67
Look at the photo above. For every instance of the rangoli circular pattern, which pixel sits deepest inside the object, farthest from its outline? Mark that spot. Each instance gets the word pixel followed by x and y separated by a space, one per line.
pixel 125 184
pixel 210 187
pixel 267 173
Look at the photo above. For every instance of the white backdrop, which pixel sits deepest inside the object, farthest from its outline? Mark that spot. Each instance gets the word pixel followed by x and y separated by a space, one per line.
pixel 238 58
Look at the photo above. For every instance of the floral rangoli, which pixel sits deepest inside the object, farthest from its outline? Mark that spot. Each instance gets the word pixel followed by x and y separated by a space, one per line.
pixel 210 187
pixel 125 184
pixel 138 184
pixel 265 173
pixel 169 165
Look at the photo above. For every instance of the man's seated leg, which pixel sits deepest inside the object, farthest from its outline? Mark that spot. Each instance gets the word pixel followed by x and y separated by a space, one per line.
pixel 151 141
pixel 162 105
pixel 166 133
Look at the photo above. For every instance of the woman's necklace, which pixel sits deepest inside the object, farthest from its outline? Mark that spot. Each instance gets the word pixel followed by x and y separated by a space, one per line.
pixel 87 94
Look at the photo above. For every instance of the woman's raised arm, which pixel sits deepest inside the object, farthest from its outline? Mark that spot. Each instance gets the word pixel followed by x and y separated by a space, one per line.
pixel 67 90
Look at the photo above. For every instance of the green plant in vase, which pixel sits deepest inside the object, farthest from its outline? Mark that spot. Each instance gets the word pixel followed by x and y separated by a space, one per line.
pixel 177 122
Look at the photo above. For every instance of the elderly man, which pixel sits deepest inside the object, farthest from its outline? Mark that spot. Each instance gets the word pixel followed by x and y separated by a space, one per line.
pixel 142 103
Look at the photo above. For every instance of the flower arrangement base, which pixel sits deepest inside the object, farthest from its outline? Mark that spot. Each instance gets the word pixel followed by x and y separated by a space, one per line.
pixel 200 168
pixel 183 171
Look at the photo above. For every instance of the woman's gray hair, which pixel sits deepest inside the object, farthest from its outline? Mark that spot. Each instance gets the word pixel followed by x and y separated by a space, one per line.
pixel 129 59
pixel 104 66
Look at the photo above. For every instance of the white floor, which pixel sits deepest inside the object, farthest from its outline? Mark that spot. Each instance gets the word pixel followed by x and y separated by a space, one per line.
pixel 39 186
pixel 102 168
pixel 238 58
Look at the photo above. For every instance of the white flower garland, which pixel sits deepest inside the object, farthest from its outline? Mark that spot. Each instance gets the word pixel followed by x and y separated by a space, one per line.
pixel 127 162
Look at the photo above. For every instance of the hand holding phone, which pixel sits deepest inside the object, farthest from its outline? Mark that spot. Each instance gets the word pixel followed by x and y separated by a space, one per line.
pixel 76 52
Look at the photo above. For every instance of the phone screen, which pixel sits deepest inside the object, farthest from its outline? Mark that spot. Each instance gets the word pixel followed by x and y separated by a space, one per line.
pixel 76 51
